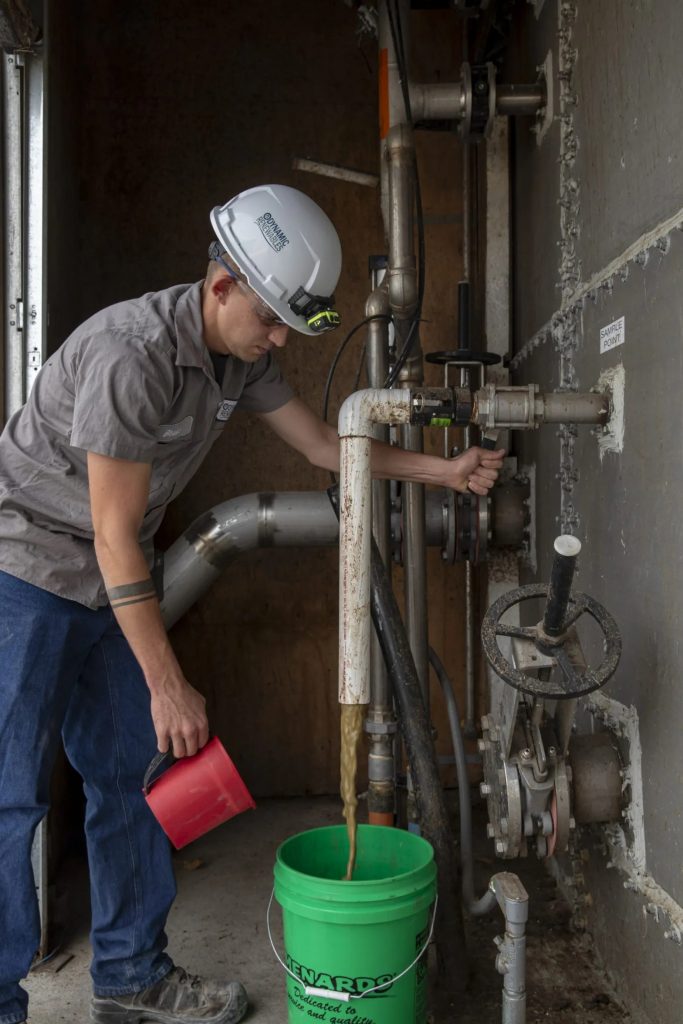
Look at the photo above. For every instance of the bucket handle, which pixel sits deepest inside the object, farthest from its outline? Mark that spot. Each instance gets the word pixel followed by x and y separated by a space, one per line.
pixel 154 766
pixel 344 997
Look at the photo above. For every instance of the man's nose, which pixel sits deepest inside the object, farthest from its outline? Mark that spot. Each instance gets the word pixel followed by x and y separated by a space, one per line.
pixel 278 335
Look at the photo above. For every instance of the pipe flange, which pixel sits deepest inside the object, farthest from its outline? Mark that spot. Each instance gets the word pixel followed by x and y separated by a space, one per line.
pixel 467 527
pixel 560 810
pixel 503 796
pixel 479 91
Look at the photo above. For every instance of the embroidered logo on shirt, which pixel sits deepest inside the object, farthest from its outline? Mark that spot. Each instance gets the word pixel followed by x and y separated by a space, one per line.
pixel 174 431
pixel 225 409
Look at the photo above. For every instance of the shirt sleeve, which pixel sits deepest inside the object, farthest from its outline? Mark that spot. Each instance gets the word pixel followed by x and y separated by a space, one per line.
pixel 265 389
pixel 123 385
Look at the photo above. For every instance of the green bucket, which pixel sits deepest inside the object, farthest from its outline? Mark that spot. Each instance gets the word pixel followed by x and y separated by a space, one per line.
pixel 354 950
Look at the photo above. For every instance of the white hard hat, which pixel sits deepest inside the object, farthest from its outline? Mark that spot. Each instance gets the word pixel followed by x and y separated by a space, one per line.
pixel 288 250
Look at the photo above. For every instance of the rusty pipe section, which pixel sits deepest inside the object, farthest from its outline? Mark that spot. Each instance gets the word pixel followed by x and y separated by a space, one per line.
pixel 357 417
pixel 216 538
pixel 499 407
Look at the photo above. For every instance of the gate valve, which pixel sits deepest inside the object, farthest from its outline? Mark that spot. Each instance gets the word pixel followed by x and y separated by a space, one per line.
pixel 555 636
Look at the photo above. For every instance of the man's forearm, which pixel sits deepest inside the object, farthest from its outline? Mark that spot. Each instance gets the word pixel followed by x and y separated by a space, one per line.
pixel 389 462
pixel 135 604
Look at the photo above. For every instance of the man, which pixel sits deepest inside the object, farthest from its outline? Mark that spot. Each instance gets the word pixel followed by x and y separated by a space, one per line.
pixel 118 421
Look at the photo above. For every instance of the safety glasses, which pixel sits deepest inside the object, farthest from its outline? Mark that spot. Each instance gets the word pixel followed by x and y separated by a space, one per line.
pixel 259 307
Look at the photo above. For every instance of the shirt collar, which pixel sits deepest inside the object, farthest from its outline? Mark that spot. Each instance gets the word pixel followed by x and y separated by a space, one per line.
pixel 191 347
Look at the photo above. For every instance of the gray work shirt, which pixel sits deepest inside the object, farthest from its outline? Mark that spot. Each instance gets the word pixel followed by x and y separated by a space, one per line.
pixel 135 382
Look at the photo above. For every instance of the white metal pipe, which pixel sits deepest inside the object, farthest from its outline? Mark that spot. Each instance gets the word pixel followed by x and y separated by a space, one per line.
pixel 356 418
pixel 336 171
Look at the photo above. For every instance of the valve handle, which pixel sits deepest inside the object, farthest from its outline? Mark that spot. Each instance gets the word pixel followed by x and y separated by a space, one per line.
pixel 567 550
pixel 463 355
pixel 555 636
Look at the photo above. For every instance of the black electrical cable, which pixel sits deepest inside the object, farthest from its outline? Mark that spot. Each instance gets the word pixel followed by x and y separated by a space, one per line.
pixel 359 371
pixel 335 361
pixel 338 355
pixel 397 39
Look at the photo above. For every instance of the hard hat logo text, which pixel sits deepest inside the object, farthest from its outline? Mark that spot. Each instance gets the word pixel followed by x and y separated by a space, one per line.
pixel 271 231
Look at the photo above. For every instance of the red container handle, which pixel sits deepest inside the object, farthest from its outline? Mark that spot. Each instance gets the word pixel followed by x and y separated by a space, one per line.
pixel 153 767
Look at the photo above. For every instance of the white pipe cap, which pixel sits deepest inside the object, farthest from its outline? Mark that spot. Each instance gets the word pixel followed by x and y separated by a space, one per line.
pixel 567 545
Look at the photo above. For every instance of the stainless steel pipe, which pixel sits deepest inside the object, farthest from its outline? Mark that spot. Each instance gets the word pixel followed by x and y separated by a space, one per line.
pixel 520 100
pixel 525 408
pixel 197 558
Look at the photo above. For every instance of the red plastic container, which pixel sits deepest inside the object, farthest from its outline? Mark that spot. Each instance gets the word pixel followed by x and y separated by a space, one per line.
pixel 196 793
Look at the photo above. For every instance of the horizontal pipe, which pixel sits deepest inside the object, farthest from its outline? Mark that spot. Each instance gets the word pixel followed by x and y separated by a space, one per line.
pixel 197 558
pixel 285 519
pixel 439 101
pixel 520 100
pixel 335 171
pixel 525 408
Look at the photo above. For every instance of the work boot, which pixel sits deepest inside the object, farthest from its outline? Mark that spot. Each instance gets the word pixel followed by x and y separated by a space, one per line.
pixel 179 998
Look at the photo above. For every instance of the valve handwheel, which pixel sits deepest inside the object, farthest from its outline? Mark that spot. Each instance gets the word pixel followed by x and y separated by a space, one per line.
pixel 555 636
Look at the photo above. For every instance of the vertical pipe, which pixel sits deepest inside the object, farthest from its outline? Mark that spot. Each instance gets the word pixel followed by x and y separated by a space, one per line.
pixel 358 412
pixel 13 240
pixel 403 298
pixel 356 418
pixel 414 561
pixel 381 720
pixel 464 328
pixel 355 535
pixel 35 330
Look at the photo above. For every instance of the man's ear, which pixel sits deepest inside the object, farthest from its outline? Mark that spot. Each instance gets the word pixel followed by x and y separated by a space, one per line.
pixel 222 285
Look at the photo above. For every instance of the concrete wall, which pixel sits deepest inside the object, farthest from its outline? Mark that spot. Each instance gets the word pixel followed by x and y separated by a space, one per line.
pixel 597 226
pixel 162 110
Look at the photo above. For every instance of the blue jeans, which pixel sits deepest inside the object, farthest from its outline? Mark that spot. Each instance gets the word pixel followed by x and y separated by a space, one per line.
pixel 65 668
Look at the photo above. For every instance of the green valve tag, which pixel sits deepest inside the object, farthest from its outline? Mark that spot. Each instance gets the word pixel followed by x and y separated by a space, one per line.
pixel 441 421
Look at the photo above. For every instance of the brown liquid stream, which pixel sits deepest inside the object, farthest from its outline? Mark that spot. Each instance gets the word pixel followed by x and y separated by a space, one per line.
pixel 352 716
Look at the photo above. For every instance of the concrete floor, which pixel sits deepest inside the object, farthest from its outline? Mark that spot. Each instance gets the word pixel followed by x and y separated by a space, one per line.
pixel 217 928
